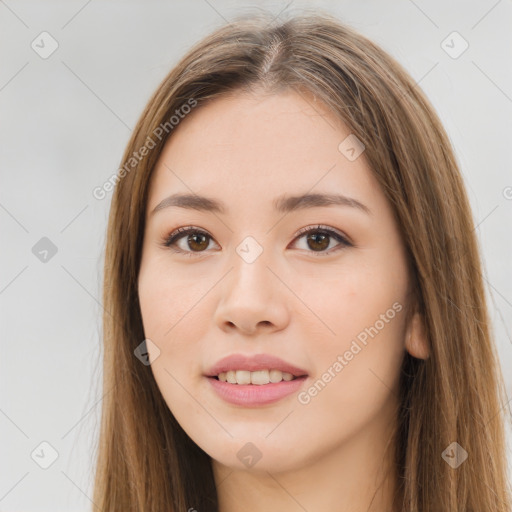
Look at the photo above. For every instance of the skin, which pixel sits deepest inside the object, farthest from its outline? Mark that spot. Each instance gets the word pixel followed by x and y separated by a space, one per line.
pixel 293 301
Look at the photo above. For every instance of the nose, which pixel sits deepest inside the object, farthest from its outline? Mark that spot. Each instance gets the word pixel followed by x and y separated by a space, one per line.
pixel 252 298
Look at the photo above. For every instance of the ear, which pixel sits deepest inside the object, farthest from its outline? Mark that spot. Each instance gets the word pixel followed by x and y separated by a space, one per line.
pixel 416 342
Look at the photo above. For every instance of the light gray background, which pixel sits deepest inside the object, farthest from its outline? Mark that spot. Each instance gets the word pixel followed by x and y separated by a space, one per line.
pixel 65 121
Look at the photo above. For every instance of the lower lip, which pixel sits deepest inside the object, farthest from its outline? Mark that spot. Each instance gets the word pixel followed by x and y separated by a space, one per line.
pixel 252 394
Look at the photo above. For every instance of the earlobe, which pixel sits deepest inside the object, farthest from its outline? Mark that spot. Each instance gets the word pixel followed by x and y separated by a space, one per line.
pixel 416 342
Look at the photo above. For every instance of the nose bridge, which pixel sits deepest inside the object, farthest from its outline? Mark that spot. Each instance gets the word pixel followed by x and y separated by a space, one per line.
pixel 250 294
pixel 250 261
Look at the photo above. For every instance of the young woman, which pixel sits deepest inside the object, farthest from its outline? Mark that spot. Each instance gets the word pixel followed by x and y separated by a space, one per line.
pixel 296 316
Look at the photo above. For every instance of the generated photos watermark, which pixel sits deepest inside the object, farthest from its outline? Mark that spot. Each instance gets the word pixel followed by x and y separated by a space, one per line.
pixel 305 397
pixel 162 130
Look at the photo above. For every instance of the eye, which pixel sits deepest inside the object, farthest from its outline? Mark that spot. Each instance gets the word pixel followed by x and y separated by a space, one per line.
pixel 195 238
pixel 318 238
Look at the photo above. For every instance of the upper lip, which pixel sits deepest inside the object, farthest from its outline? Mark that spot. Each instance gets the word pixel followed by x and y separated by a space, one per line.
pixel 253 363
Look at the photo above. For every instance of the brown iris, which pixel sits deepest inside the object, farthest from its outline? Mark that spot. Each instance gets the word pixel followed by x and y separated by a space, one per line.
pixel 203 243
pixel 320 240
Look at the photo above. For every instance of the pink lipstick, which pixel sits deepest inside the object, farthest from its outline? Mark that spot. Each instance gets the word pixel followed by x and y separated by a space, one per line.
pixel 255 380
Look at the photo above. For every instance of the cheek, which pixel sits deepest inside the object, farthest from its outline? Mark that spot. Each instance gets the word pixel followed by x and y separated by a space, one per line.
pixel 170 321
pixel 354 382
pixel 354 300
pixel 357 360
pixel 175 318
pixel 165 299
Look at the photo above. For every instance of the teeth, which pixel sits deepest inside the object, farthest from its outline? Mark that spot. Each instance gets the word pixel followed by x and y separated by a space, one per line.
pixel 259 377
pixel 275 375
pixel 243 377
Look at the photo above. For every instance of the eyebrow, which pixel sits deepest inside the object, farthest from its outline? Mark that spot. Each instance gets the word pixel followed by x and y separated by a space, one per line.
pixel 283 204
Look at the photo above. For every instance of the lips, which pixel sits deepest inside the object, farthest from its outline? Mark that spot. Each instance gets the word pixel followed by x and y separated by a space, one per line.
pixel 253 363
pixel 257 393
pixel 249 395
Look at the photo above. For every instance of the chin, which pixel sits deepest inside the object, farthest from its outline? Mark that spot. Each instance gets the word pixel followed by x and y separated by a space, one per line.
pixel 254 453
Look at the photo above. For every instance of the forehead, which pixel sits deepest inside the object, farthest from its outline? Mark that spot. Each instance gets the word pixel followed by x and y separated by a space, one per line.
pixel 249 149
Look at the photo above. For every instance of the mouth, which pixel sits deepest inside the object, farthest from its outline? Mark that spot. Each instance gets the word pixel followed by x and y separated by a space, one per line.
pixel 257 378
pixel 254 380
pixel 255 395
pixel 254 389
pixel 254 369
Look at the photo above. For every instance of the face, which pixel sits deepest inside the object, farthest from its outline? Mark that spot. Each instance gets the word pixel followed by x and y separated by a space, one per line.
pixel 249 279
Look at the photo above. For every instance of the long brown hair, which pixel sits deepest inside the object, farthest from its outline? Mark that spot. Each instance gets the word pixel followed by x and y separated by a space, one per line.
pixel 146 462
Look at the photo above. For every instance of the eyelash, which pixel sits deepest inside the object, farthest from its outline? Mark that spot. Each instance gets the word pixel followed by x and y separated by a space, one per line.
pixel 170 240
